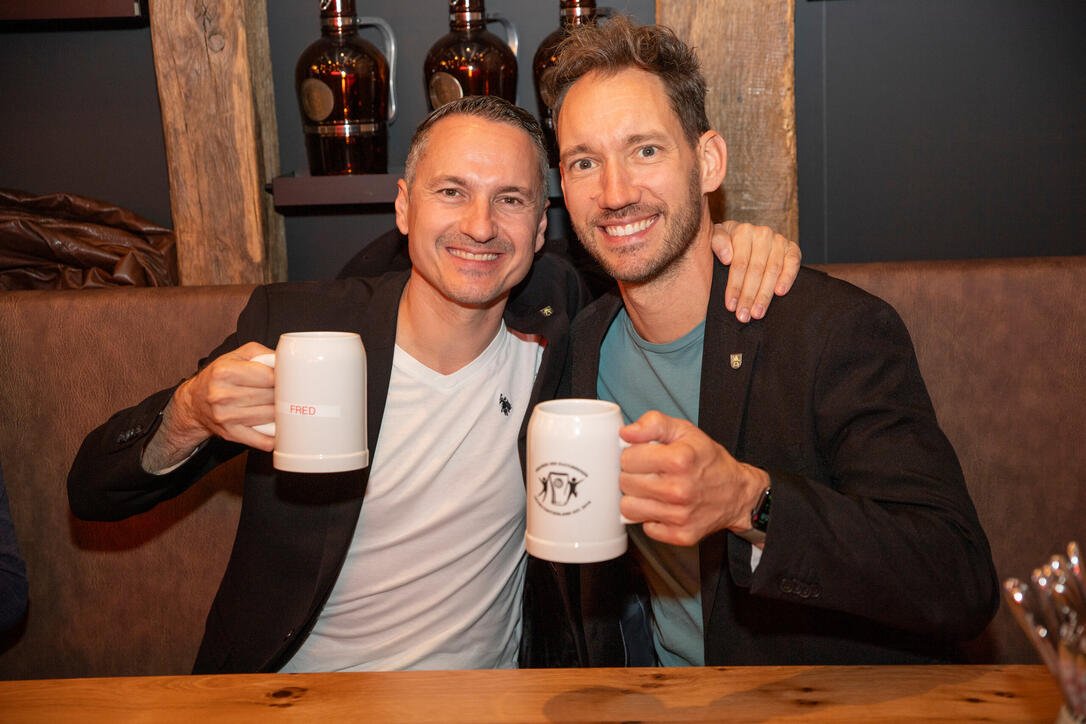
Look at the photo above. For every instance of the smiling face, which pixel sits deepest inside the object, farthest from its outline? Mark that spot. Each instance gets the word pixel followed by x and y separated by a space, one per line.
pixel 474 212
pixel 634 186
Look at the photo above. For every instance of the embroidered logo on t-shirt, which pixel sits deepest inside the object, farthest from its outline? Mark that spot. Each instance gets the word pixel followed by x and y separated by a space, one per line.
pixel 504 405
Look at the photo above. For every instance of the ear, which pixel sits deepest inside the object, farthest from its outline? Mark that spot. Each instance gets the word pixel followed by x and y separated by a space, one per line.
pixel 541 232
pixel 402 205
pixel 713 161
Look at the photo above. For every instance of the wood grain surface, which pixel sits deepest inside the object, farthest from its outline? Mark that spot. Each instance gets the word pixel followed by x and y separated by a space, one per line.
pixel 746 52
pixel 739 694
pixel 213 69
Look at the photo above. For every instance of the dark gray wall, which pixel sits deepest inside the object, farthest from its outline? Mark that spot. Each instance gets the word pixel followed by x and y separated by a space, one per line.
pixel 931 129
pixel 79 113
pixel 926 128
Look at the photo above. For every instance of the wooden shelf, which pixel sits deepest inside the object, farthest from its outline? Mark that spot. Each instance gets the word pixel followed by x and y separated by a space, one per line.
pixel 72 9
pixel 343 190
pixel 351 189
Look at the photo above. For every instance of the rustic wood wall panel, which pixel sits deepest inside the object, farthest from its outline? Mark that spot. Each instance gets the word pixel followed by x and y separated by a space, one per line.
pixel 746 51
pixel 213 68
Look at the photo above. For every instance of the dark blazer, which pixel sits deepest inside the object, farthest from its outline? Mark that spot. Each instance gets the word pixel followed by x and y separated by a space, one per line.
pixel 293 534
pixel 13 584
pixel 874 553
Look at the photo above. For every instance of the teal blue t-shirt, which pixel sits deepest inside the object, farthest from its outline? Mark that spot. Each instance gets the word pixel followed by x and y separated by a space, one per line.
pixel 640 376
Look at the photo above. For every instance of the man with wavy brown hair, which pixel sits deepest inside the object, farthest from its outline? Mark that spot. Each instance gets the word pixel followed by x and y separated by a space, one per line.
pixel 800 504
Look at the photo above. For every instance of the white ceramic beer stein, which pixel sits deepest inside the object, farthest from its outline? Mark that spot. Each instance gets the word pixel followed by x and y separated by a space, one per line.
pixel 573 494
pixel 320 402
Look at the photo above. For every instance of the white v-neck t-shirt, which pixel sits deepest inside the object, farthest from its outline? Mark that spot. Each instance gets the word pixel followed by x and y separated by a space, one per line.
pixel 435 572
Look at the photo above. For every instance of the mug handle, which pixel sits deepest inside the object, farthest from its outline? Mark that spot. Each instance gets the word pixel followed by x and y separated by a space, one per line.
pixel 268 428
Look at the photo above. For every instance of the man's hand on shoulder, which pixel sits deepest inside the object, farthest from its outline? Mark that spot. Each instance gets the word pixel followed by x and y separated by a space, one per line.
pixel 761 263
pixel 687 485
pixel 226 398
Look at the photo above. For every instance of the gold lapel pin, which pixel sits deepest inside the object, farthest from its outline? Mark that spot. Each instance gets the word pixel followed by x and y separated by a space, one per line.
pixel 737 360
pixel 546 311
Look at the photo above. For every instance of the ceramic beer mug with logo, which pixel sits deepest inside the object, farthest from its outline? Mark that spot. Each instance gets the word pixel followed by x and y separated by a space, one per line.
pixel 320 402
pixel 573 493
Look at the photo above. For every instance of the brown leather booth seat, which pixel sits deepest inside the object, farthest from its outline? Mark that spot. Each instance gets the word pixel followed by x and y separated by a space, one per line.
pixel 1002 344
pixel 107 599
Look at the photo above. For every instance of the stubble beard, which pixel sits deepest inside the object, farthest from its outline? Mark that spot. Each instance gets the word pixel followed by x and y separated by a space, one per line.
pixel 628 264
pixel 470 295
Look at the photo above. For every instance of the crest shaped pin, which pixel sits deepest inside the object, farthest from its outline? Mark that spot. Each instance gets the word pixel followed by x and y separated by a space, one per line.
pixel 736 360
pixel 546 311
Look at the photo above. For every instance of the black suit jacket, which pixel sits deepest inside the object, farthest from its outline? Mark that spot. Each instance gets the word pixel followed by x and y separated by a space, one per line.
pixel 294 532
pixel 874 553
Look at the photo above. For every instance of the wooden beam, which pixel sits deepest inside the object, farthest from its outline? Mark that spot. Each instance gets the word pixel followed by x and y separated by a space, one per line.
pixel 746 48
pixel 213 68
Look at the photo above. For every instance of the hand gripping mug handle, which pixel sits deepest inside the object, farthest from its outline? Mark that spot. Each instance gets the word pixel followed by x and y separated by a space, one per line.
pixel 268 428
pixel 622 445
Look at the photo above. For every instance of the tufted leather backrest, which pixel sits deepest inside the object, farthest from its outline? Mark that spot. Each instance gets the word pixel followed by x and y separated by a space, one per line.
pixel 1002 345
pixel 107 598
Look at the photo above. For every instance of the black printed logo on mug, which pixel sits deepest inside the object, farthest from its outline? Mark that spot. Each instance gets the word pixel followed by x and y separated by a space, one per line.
pixel 559 490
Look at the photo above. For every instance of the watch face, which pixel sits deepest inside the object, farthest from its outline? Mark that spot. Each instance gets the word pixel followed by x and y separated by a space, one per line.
pixel 759 519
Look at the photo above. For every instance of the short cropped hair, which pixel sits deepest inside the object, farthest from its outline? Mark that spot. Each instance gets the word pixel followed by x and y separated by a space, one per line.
pixel 489 108
pixel 617 44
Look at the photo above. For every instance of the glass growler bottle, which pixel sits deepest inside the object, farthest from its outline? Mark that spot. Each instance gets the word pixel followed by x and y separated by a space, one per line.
pixel 345 94
pixel 571 14
pixel 470 60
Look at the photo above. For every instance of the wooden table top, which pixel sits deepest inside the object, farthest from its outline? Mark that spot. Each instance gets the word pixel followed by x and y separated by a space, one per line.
pixel 840 694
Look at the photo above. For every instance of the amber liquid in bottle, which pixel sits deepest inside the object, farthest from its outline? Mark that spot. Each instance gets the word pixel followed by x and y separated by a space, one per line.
pixel 469 60
pixel 572 13
pixel 342 82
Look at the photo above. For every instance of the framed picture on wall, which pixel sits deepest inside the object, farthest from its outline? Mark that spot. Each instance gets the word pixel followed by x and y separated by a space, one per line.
pixel 83 12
